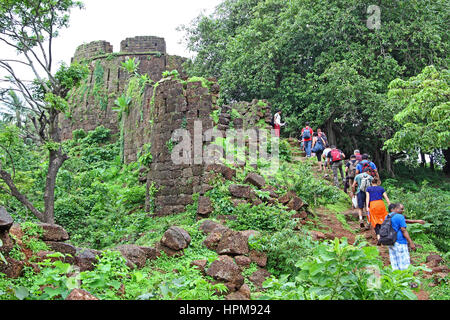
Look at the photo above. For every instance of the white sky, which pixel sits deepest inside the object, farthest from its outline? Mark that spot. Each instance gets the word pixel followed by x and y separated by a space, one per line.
pixel 115 20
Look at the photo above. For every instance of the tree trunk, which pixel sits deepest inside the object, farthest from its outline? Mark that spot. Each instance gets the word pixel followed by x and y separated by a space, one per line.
pixel 56 160
pixel 147 195
pixel 432 162
pixel 422 159
pixel 331 136
pixel 388 164
pixel 446 168
pixel 377 159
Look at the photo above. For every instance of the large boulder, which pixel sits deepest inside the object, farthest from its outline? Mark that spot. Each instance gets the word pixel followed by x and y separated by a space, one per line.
pixel 86 259
pixel 241 191
pixel 5 220
pixel 227 173
pixel 176 238
pixel 260 258
pixel 258 277
pixel 255 179
pixel 151 253
pixel 204 206
pixel 224 269
pixel 434 258
pixel 287 197
pixel 295 203
pixel 233 243
pixel 13 268
pixel 242 294
pixel 53 232
pixel 133 254
pixel 208 226
pixel 80 294
pixel 62 247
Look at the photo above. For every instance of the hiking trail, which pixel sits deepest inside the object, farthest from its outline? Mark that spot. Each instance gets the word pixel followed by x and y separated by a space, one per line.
pixel 328 221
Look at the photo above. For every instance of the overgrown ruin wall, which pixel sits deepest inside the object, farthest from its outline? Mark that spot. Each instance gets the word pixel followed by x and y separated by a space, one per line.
pixel 153 116
pixel 91 105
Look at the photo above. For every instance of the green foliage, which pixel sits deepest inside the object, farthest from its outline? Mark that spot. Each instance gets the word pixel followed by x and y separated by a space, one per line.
pixel 123 102
pixel 299 178
pixel 425 112
pixel 429 204
pixel 71 76
pixel 318 61
pixel 260 217
pixel 339 271
pixel 109 273
pixel 130 65
pixel 174 73
pixel 284 248
pixel 145 156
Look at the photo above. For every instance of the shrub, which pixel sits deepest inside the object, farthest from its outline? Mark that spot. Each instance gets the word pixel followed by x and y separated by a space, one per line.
pixel 336 270
pixel 260 217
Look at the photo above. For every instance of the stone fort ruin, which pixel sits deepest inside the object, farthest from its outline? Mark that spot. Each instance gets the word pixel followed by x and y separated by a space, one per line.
pixel 154 110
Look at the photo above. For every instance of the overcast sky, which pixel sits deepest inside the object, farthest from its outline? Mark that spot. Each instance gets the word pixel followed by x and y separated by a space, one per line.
pixel 115 20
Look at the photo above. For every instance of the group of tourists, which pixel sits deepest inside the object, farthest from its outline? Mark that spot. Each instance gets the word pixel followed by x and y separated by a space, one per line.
pixel 368 196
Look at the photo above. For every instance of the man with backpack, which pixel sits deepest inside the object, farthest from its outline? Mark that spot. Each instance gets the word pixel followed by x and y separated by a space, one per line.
pixel 307 134
pixel 360 184
pixel 398 251
pixel 357 155
pixel 366 164
pixel 350 172
pixel 335 157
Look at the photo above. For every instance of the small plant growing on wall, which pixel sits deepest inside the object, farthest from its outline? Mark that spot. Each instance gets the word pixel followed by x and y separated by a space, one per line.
pixel 131 65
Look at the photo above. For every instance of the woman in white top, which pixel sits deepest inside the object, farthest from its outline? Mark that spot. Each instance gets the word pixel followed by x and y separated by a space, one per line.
pixel 324 156
pixel 277 123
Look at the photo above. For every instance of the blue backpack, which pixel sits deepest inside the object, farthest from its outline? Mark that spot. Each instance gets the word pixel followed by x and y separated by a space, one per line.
pixel 306 133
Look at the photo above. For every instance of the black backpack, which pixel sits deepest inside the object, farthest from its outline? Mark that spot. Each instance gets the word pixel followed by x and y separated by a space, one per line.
pixel 388 236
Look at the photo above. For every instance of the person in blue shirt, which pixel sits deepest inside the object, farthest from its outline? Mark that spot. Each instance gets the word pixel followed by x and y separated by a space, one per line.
pixel 399 253
pixel 372 166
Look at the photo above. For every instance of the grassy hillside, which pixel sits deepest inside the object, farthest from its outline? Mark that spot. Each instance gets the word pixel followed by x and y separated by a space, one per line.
pixel 100 202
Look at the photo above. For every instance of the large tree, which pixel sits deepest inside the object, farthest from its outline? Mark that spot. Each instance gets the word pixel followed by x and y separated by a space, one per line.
pixel 424 118
pixel 29 28
pixel 322 61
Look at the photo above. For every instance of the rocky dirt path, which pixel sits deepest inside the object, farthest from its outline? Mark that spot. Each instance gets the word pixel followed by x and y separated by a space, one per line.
pixel 332 227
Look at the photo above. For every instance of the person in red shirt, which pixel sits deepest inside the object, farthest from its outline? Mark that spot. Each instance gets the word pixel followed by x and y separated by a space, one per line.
pixel 307 134
pixel 357 155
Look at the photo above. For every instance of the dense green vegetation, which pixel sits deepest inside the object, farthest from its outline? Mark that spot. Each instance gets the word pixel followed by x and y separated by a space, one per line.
pixel 384 91
pixel 100 202
pixel 322 62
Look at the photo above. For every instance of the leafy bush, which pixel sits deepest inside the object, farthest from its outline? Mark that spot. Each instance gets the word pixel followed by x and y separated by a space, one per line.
pixel 284 249
pixel 260 217
pixel 337 270
pixel 299 178
pixel 429 204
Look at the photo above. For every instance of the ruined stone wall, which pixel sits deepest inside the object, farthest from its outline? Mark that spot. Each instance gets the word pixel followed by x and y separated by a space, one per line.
pixel 91 104
pixel 176 105
pixel 143 44
pixel 92 49
pixel 155 114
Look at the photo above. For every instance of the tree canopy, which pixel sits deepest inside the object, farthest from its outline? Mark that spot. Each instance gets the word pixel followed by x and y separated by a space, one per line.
pixel 29 27
pixel 321 61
